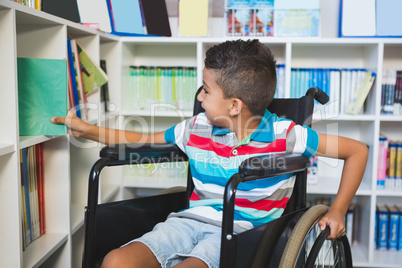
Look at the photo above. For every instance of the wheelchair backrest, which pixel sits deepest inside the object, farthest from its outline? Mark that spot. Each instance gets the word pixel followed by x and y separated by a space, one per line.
pixel 299 111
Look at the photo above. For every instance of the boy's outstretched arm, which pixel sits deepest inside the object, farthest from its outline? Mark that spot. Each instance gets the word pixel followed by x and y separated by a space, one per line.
pixel 354 154
pixel 78 128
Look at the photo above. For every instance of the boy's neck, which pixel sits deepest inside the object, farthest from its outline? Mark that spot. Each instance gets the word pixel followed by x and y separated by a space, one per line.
pixel 244 126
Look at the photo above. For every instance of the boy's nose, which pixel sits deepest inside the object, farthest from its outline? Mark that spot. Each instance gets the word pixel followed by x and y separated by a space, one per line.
pixel 200 96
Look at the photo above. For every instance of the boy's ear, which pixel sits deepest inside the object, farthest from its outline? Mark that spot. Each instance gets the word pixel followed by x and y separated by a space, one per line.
pixel 237 107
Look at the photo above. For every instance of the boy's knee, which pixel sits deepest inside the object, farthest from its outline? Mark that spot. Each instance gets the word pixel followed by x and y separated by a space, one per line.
pixel 113 259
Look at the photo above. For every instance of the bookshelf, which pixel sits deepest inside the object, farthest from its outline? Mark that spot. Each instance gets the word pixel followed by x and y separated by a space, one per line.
pixel 26 32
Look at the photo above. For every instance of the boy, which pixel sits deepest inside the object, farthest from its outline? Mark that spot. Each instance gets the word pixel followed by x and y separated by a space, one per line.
pixel 239 82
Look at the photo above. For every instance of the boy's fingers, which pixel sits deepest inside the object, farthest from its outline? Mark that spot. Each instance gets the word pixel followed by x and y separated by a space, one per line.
pixel 58 120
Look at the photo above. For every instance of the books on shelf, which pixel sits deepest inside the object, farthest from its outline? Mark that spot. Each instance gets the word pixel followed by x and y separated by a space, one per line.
pixel 172 86
pixel 42 94
pixel 388 235
pixel 391 92
pixel 32 193
pixel 280 81
pixel 37 4
pixel 347 88
pixel 272 18
pixel 370 18
pixel 389 171
pixel 138 17
pixel 84 78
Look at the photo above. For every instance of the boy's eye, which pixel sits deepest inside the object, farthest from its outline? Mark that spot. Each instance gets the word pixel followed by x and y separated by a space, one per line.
pixel 205 90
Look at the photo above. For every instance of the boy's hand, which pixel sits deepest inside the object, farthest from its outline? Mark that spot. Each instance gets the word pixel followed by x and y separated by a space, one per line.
pixel 75 126
pixel 335 220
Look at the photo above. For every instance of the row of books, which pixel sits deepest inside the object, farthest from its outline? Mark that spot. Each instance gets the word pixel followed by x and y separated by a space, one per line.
pixel 388 227
pixel 37 4
pixel 174 86
pixel 32 193
pixel 391 92
pixel 347 88
pixel 389 171
pixel 84 78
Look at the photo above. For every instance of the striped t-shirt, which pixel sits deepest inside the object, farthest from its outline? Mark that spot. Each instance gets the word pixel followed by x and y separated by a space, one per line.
pixel 215 155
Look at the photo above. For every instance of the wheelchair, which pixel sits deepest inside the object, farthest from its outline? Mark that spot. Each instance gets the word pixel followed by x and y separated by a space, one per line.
pixel 292 240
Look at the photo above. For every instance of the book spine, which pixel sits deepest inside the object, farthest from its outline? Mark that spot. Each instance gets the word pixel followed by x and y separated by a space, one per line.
pixel 398 167
pixel 382 163
pixel 393 228
pixel 72 78
pixel 383 219
pixel 28 237
pixel 392 165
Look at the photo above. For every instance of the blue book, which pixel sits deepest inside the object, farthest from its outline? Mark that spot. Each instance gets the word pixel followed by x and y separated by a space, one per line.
pixel 393 228
pixel 400 228
pixel 25 174
pixel 383 221
pixel 72 77
pixel 126 17
pixel 376 229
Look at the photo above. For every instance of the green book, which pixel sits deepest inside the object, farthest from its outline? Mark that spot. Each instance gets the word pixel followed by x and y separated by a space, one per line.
pixel 42 94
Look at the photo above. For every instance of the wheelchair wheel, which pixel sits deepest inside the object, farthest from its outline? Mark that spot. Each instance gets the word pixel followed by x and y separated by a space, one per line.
pixel 307 245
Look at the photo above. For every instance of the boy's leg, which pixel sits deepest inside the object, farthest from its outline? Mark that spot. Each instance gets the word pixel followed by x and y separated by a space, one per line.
pixel 135 254
pixel 192 262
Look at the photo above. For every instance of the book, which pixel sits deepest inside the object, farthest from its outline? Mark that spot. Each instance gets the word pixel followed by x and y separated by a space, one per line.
pixel 42 94
pixel 78 77
pixel 40 184
pixel 382 162
pixel 92 75
pixel 94 11
pixel 393 228
pixel 382 227
pixel 104 91
pixel 400 228
pixel 26 200
pixel 156 17
pixel 357 18
pixel 32 182
pixel 126 17
pixel 355 105
pixel 388 19
pixel 75 104
pixel 193 17
pixel 66 9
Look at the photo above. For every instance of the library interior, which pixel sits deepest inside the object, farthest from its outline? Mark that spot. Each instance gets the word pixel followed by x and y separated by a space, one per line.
pixel 136 65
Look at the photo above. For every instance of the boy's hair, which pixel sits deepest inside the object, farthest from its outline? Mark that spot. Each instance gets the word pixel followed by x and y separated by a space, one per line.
pixel 244 70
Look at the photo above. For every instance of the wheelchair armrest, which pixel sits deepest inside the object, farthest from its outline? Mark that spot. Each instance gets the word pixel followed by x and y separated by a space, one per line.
pixel 272 165
pixel 144 153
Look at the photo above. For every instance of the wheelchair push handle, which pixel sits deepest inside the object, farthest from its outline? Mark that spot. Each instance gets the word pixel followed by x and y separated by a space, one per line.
pixel 318 95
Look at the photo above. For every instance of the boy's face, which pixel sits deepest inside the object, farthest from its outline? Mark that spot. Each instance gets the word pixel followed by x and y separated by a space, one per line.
pixel 212 100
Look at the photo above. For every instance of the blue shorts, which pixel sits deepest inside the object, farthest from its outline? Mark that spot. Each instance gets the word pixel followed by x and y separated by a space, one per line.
pixel 176 239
